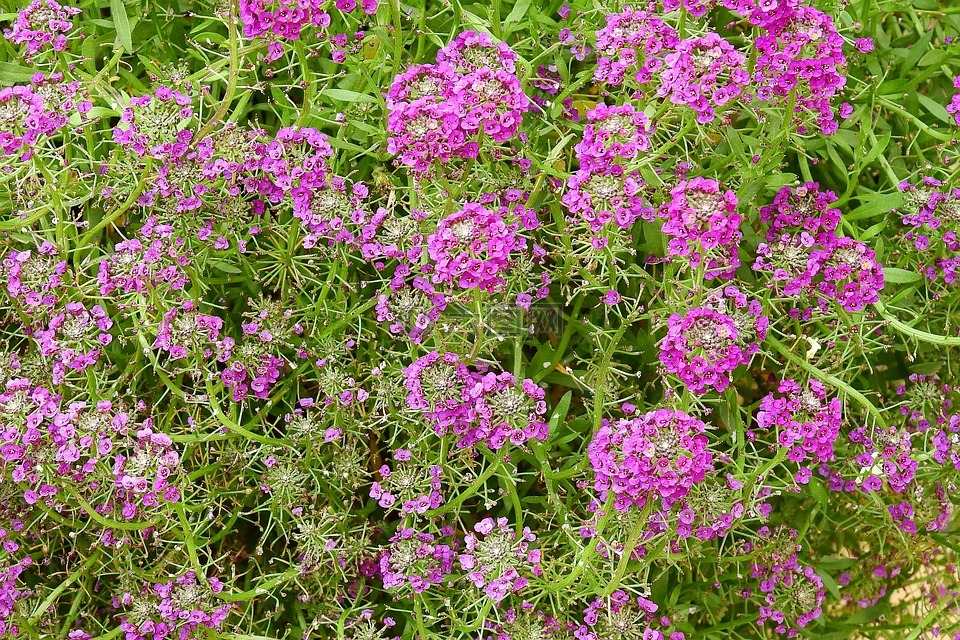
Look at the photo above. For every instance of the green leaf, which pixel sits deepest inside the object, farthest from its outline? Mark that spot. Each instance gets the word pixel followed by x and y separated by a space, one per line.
pixel 818 491
pixel 900 276
pixel 344 95
pixel 877 149
pixel 518 12
pixel 226 267
pixel 560 412
pixel 11 73
pixel 877 205
pixel 122 24
pixel 872 231
pixel 830 584
pixel 936 109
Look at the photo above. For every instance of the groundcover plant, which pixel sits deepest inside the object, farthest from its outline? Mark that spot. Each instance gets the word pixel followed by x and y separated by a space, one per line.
pixel 479 320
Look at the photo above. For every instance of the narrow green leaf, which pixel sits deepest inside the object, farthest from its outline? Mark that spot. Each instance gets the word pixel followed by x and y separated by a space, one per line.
pixel 519 11
pixel 877 149
pixel 829 583
pixel 936 109
pixel 561 410
pixel 344 95
pixel 11 73
pixel 122 24
pixel 900 276
pixel 878 205
pixel 226 267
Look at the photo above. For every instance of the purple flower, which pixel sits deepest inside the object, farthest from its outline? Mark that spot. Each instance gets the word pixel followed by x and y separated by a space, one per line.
pixel 42 24
pixel 495 559
pixel 655 456
pixel 706 344
pixel 703 227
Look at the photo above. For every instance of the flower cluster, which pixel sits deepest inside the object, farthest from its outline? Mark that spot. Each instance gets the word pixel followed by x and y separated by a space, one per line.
pixel 954 107
pixel 625 617
pixel 31 113
pixel 493 559
pixel 886 456
pixel 932 215
pixel 611 134
pixel 703 227
pixel 184 331
pixel 143 474
pixel 605 195
pixel 657 456
pixel 437 111
pixel 804 421
pixel 10 591
pixel 173 609
pixel 633 40
pixel 409 486
pixel 704 74
pixel 74 338
pixel 287 19
pixel 800 61
pixel 473 247
pixel 498 410
pixel 478 406
pixel 704 345
pixel 926 508
pixel 42 24
pixel 34 277
pixel 792 594
pixel 417 560
pixel 151 261
pixel 927 402
pixel 156 124
pixel 807 256
pixel 410 309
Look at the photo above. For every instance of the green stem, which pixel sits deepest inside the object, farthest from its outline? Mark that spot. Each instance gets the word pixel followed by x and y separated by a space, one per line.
pixel 472 489
pixel 823 376
pixel 74 575
pixel 231 78
pixel 919 334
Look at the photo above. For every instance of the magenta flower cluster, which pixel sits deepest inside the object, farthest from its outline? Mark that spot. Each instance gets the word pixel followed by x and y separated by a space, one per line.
pixel 954 107
pixel 34 277
pixel 175 609
pixel 155 125
pixel 606 192
pixel 657 456
pixel 478 406
pixel 800 61
pixel 624 616
pixel 74 338
pixel 703 227
pixel 704 74
pixel 805 422
pixel 633 41
pixel 806 256
pixel 792 594
pixel 10 591
pixel 932 215
pixel 704 345
pixel 494 557
pixel 287 19
pixel 35 112
pixel 475 246
pixel 42 24
pixel 613 133
pixel 417 560
pixel 439 112
pixel 409 486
